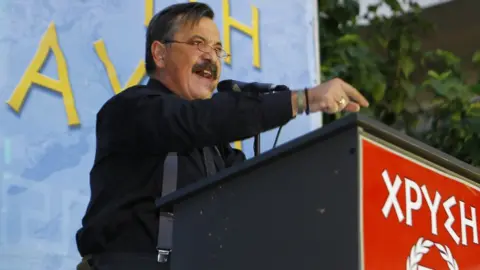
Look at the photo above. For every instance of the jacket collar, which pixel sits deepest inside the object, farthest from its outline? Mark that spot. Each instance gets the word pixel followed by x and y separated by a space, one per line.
pixel 156 84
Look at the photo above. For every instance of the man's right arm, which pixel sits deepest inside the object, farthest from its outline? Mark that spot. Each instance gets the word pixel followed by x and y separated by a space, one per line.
pixel 164 122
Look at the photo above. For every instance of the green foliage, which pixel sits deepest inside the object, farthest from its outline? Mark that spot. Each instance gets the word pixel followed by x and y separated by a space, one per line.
pixel 424 94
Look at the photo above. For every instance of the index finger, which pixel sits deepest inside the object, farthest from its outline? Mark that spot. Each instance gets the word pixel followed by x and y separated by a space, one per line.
pixel 354 94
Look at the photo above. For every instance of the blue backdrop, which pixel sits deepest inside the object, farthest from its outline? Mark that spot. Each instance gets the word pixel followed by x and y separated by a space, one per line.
pixel 61 60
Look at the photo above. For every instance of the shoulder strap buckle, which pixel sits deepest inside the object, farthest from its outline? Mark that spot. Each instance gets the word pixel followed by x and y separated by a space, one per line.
pixel 163 255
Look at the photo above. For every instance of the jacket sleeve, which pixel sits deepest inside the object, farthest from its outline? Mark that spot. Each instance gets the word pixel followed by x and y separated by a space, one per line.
pixel 165 122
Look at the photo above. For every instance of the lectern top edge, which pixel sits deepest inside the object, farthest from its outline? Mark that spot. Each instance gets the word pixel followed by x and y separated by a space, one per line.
pixel 417 148
pixel 362 122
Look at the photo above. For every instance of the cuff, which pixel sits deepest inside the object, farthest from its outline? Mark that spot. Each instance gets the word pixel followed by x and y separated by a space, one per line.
pixel 277 109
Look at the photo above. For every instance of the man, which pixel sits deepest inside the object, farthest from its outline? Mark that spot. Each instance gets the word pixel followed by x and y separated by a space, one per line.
pixel 176 112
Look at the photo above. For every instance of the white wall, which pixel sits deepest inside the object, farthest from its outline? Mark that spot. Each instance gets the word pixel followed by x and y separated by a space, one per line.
pixel 385 10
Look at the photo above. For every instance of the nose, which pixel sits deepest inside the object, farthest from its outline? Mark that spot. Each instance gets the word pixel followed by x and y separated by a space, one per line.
pixel 209 55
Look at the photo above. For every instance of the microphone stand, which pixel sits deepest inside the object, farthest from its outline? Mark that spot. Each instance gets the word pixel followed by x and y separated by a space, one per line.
pixel 230 85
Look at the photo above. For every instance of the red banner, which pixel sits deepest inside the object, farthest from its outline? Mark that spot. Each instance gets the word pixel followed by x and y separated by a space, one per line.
pixel 414 216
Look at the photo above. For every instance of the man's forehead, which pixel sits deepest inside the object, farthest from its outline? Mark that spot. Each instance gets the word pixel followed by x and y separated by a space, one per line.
pixel 205 29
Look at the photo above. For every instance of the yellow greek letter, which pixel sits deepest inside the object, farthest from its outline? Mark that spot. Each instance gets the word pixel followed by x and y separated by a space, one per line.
pixel 253 32
pixel 33 76
pixel 134 79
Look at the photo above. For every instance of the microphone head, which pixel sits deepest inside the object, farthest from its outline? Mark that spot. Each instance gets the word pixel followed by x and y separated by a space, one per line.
pixel 238 86
pixel 227 86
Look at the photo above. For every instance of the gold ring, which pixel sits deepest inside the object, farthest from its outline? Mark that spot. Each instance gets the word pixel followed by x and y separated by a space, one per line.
pixel 342 102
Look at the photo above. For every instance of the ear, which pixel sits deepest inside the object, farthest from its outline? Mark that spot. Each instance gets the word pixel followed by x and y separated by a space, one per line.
pixel 158 53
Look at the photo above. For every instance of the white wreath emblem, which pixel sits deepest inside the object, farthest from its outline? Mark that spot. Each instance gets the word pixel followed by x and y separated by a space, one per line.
pixel 422 247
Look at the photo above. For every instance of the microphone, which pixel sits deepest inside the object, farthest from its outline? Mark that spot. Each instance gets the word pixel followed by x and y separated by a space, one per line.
pixel 252 87
pixel 249 87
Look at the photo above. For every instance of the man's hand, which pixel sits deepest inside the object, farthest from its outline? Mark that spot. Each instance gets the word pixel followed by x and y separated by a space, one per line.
pixel 334 96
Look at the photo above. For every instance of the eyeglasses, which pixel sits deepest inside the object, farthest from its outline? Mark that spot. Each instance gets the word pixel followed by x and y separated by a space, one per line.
pixel 203 47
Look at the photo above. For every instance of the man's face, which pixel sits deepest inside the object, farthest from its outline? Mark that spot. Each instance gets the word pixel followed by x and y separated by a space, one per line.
pixel 187 70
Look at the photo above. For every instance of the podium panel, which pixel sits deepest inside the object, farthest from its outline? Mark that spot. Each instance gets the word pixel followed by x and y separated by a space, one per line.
pixel 352 195
pixel 416 214
pixel 296 212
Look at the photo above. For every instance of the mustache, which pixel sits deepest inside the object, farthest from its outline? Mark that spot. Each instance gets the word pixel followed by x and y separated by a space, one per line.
pixel 212 67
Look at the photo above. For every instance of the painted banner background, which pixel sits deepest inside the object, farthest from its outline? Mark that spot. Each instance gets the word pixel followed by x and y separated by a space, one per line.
pixel 47 144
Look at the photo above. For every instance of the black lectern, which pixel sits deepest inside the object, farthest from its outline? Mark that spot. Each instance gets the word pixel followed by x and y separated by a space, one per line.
pixel 354 194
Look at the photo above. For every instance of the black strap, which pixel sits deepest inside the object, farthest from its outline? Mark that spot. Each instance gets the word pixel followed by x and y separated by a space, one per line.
pixel 165 220
pixel 169 184
pixel 209 160
pixel 307 109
